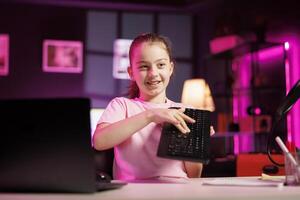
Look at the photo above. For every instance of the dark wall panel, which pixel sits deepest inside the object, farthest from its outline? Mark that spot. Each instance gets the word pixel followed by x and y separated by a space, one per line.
pixel 28 26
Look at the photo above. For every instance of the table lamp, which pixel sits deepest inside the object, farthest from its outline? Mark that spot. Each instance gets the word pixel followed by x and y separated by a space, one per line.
pixel 196 93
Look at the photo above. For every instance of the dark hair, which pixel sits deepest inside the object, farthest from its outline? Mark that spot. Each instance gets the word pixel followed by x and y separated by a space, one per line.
pixel 150 38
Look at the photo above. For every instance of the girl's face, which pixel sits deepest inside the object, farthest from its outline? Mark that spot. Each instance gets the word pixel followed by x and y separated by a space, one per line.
pixel 151 69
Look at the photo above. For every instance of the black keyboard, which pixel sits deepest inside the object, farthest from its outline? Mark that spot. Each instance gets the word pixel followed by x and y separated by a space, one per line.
pixel 193 146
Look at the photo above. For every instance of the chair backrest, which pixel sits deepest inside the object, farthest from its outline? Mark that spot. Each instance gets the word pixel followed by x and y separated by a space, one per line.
pixel 104 161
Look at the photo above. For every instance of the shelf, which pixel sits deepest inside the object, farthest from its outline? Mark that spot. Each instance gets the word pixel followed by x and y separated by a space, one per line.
pixel 260 89
pixel 258 82
pixel 243 49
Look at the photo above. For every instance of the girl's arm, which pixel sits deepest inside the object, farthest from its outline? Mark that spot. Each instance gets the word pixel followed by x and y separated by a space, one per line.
pixel 109 135
pixel 193 169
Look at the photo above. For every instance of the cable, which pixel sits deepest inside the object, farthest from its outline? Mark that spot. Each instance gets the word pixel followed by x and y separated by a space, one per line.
pixel 286 105
pixel 271 137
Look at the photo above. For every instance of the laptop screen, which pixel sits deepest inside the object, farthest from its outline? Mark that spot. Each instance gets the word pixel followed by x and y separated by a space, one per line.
pixel 46 145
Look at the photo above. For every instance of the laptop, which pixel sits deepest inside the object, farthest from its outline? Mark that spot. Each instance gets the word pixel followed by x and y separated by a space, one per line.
pixel 45 146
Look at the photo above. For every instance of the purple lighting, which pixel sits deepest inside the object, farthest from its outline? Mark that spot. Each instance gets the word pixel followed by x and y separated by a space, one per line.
pixel 241 98
pixel 291 40
pixel 268 55
pixel 245 76
pixel 288 86
pixel 292 75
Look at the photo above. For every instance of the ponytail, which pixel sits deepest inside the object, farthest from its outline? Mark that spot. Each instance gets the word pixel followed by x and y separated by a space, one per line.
pixel 133 91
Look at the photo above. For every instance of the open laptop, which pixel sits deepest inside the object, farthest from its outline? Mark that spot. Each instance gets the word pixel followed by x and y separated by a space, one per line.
pixel 45 146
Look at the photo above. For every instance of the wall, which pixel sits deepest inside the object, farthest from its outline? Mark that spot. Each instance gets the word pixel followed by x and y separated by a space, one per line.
pixel 28 25
pixel 103 27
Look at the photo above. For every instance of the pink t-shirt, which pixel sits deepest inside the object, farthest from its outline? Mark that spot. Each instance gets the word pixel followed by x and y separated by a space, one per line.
pixel 136 157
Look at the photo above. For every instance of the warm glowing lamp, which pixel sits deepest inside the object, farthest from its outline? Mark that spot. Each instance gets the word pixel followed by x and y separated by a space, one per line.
pixel 196 93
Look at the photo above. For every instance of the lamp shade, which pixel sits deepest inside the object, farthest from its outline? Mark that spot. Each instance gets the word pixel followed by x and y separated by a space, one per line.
pixel 196 93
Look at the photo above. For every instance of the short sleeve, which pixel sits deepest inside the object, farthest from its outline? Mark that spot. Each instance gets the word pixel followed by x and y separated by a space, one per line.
pixel 115 111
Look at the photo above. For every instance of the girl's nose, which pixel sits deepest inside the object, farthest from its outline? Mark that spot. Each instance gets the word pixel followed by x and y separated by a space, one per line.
pixel 153 71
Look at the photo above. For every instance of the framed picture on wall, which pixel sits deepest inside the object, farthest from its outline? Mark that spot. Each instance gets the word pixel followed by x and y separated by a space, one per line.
pixel 4 54
pixel 62 56
pixel 121 58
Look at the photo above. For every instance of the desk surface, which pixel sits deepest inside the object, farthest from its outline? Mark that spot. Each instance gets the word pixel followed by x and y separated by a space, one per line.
pixel 193 189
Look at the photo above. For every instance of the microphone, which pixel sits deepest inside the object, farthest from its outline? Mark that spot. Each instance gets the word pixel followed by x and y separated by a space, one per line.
pixel 288 101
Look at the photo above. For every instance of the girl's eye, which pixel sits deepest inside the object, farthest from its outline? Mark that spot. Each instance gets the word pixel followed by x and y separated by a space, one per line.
pixel 161 65
pixel 143 67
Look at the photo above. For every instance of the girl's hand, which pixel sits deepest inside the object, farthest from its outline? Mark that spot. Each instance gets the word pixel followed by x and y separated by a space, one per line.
pixel 173 116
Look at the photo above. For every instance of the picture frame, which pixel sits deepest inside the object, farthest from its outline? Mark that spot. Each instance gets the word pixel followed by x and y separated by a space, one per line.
pixel 4 54
pixel 121 58
pixel 62 56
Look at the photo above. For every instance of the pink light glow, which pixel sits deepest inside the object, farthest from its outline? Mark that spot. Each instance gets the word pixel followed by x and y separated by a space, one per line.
pixel 292 75
pixel 243 74
pixel 236 145
pixel 270 53
pixel 257 111
pixel 246 141
pixel 4 54
pixel 243 143
pixel 242 99
pixel 224 43
pixel 288 86
pixel 235 109
pixel 286 45
pixel 241 68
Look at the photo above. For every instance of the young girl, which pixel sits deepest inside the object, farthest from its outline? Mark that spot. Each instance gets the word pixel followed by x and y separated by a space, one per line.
pixel 133 125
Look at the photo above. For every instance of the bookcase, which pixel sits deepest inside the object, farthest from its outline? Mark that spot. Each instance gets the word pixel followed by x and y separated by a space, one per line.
pixel 248 83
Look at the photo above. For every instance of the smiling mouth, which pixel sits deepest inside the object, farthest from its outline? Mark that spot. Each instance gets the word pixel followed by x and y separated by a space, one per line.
pixel 153 83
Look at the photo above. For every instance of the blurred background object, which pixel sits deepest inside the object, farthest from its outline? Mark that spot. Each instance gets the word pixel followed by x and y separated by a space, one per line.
pixel 196 93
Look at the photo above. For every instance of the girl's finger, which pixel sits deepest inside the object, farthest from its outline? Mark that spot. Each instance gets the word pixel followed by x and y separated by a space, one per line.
pixel 182 124
pixel 187 118
pixel 180 128
pixel 181 109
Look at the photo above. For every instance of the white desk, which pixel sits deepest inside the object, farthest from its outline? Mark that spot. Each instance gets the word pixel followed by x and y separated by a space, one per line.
pixel 191 190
